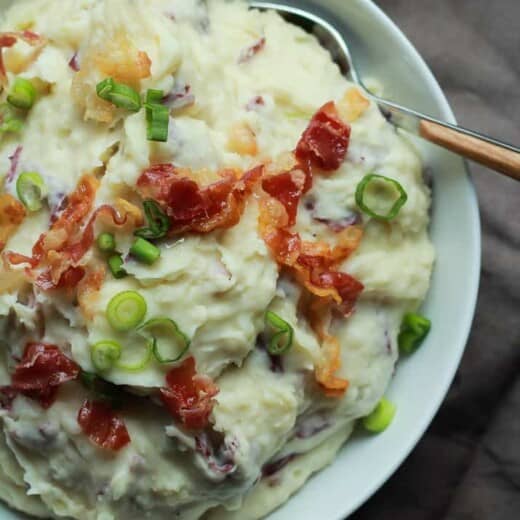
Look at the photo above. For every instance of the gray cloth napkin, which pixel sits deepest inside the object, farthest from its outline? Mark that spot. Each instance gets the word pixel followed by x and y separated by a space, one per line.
pixel 467 466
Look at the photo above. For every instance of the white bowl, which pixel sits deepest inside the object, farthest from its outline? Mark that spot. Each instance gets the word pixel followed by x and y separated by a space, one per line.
pixel 422 381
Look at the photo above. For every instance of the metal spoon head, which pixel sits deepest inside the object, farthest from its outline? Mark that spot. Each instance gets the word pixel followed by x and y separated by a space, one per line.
pixel 328 36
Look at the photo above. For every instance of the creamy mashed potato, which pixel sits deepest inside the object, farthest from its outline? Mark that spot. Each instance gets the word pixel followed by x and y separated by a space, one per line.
pixel 241 88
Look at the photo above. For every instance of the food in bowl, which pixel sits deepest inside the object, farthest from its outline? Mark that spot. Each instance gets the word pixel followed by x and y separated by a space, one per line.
pixel 211 242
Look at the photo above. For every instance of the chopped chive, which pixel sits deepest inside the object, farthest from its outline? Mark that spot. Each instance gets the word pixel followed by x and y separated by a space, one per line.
pixel 382 186
pixel 154 96
pixel 145 251
pixel 31 190
pixel 104 355
pixel 119 94
pixel 381 417
pixel 281 334
pixel 414 328
pixel 105 88
pixel 106 242
pixel 179 343
pixel 115 264
pixel 126 311
pixel 158 222
pixel 22 94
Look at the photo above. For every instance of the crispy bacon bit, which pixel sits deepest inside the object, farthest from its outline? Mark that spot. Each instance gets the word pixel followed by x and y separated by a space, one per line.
pixel 103 427
pixel 324 143
pixel 242 139
pixel 288 189
pixel 353 105
pixel 192 208
pixel 12 213
pixel 69 279
pixel 120 59
pixel 315 264
pixel 68 240
pixel 115 56
pixel 249 52
pixel 188 396
pixel 88 289
pixel 8 39
pixel 41 371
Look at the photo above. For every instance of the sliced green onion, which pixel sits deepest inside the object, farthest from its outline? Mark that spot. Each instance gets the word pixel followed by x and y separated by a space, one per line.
pixel 22 95
pixel 282 334
pixel 154 96
pixel 126 311
pixel 119 94
pixel 381 417
pixel 104 355
pixel 414 329
pixel 157 116
pixel 136 365
pixel 145 251
pixel 178 342
pixel 115 264
pixel 105 88
pixel 382 185
pixel 158 222
pixel 10 119
pixel 31 189
pixel 158 121
pixel 106 242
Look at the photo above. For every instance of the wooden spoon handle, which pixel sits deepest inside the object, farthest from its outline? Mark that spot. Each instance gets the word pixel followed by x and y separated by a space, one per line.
pixel 503 159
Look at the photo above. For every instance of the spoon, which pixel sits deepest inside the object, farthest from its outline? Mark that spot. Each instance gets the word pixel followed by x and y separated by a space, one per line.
pixel 499 156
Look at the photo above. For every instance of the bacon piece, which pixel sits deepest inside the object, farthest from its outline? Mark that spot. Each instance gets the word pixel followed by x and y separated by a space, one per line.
pixel 250 52
pixel 315 264
pixel 196 209
pixel 69 238
pixel 324 143
pixel 288 189
pixel 8 39
pixel 188 396
pixel 103 426
pixel 353 105
pixel 69 279
pixel 41 371
pixel 12 214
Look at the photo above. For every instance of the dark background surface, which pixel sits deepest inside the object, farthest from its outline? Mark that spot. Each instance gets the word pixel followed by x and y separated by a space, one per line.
pixel 467 466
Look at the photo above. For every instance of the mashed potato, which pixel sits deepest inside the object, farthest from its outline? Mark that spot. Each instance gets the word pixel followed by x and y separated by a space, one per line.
pixel 261 240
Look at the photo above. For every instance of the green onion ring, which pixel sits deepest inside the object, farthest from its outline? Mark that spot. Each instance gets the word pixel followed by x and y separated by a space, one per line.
pixel 282 339
pixel 381 417
pixel 31 189
pixel 105 354
pixel 126 311
pixel 22 94
pixel 177 335
pixel 398 204
pixel 414 328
